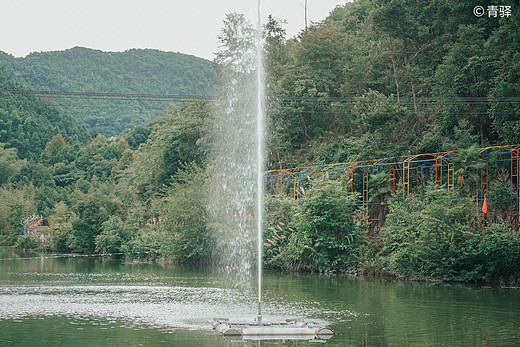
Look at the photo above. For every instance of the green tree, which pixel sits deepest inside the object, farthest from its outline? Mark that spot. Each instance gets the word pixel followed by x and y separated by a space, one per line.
pixel 237 38
pixel 56 151
pixel 497 254
pixel 93 210
pixel 379 186
pixel 184 217
pixel 60 235
pixel 320 53
pixel 115 236
pixel 137 135
pixel 505 84
pixel 186 139
pixel 100 156
pixel 35 173
pixel 181 139
pixel 15 205
pixel 10 164
pixel 502 195
pixel 27 124
pixel 136 71
pixel 276 54
pixel 468 164
pixel 379 118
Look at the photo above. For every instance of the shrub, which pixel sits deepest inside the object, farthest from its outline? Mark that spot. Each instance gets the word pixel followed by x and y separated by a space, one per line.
pixel 498 254
pixel 26 244
pixel 430 239
pixel 318 234
pixel 115 236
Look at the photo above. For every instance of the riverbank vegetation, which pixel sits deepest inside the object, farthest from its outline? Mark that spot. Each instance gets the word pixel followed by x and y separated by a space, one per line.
pixel 375 79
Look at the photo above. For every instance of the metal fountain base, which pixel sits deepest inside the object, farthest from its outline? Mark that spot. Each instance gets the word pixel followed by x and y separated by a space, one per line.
pixel 291 329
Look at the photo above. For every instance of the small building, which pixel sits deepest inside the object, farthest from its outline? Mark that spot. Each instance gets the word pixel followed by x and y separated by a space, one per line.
pixel 35 225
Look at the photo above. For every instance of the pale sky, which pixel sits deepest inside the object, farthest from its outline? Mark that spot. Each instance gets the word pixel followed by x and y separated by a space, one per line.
pixel 188 26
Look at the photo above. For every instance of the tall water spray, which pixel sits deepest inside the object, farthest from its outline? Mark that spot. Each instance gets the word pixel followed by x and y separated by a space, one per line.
pixel 238 167
pixel 238 153
pixel 260 120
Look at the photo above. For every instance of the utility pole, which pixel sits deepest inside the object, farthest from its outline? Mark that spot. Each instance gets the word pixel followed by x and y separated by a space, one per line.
pixel 306 15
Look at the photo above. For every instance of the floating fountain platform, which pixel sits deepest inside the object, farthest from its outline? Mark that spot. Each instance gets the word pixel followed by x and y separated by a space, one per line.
pixel 289 330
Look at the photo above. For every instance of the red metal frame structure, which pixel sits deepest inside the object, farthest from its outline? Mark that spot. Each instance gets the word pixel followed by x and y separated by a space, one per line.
pixel 483 193
pixel 439 164
pixel 391 171
pixel 483 188
pixel 437 168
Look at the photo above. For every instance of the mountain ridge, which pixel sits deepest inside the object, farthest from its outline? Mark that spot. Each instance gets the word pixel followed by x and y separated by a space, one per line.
pixel 137 71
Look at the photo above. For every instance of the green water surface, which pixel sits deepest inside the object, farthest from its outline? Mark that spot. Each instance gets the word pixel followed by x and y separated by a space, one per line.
pixel 88 301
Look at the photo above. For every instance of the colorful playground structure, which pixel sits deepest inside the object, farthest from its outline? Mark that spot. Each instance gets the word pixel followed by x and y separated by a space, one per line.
pixel 408 175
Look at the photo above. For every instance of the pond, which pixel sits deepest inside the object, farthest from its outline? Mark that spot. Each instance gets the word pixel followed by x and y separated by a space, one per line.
pixel 89 301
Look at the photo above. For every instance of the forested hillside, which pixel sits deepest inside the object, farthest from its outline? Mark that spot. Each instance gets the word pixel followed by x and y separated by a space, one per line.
pixel 136 71
pixel 375 79
pixel 27 123
pixel 410 77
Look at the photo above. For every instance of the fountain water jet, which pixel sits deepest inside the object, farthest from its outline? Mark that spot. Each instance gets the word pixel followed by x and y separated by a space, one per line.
pixel 241 145
pixel 260 121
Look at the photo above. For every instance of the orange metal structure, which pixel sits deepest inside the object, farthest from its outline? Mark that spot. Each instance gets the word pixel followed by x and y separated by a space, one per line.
pixel 411 173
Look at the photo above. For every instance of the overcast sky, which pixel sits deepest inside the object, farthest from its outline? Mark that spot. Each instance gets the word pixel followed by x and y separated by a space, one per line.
pixel 188 26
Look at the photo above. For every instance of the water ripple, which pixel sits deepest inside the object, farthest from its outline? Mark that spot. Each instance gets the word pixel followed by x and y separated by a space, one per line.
pixel 158 306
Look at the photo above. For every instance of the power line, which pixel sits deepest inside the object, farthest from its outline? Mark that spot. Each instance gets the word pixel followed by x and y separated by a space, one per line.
pixel 107 96
pixel 394 100
pixel 280 99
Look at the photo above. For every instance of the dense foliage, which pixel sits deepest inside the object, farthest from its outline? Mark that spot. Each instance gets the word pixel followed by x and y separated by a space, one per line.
pixel 435 239
pixel 411 77
pixel 136 71
pixel 375 79
pixel 316 234
pixel 28 124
